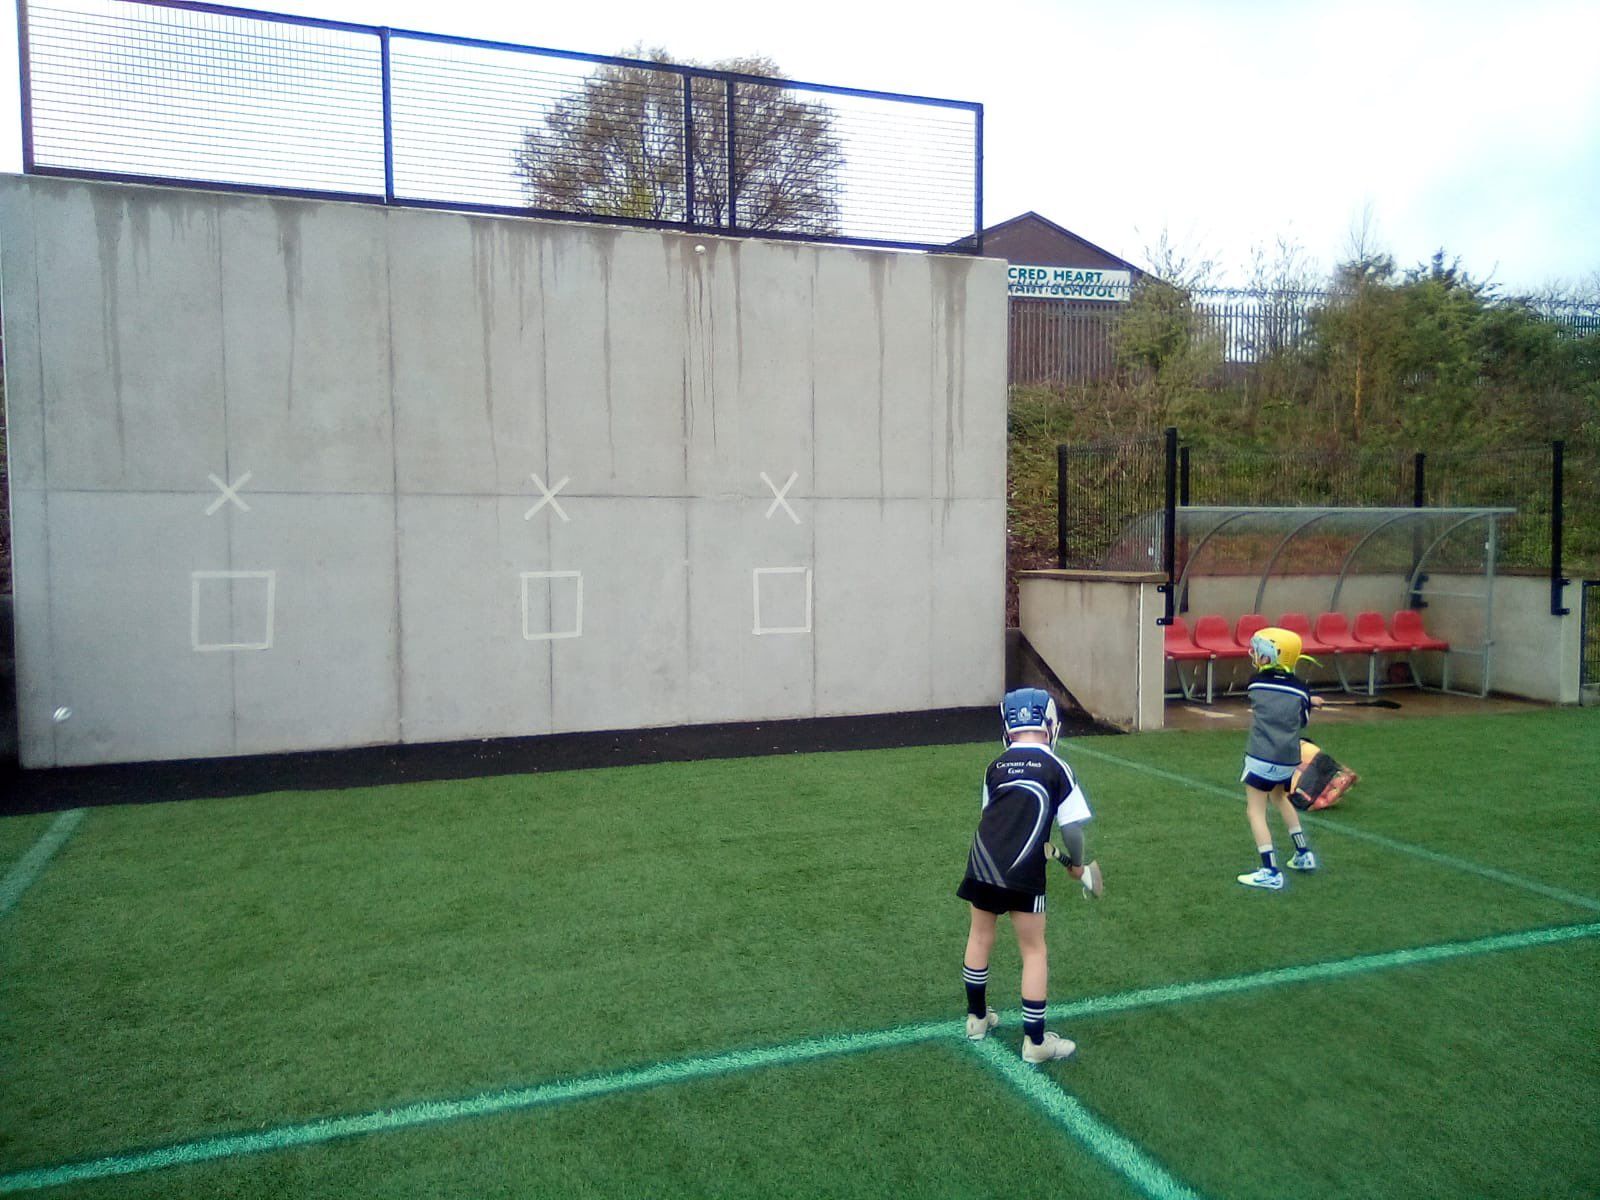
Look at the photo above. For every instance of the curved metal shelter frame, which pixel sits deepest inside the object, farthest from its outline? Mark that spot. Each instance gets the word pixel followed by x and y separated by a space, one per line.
pixel 1200 527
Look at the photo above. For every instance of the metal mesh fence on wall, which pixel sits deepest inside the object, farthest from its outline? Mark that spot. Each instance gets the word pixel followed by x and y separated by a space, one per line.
pixel 151 91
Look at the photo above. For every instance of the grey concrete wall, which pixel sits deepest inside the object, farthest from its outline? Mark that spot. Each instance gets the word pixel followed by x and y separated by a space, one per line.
pixel 1534 654
pixel 374 393
pixel 1097 631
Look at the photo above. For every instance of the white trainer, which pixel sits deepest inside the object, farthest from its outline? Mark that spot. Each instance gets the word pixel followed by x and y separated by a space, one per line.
pixel 1304 860
pixel 1053 1046
pixel 978 1027
pixel 1263 878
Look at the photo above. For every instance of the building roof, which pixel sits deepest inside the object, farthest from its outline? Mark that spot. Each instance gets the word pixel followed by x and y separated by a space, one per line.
pixel 1036 241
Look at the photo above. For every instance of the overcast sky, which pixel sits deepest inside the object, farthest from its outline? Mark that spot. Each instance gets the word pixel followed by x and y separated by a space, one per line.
pixel 1226 124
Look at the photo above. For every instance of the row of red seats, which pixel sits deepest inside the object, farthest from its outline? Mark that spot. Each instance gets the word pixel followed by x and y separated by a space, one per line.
pixel 1331 635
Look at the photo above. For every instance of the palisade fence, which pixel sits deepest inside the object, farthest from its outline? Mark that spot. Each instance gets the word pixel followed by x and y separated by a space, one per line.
pixel 1076 341
pixel 1104 487
pixel 194 94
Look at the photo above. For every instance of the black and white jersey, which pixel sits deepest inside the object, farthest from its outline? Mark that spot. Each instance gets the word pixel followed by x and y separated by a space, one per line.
pixel 1024 790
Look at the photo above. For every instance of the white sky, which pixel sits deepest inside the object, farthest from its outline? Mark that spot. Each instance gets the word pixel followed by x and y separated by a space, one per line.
pixel 1228 124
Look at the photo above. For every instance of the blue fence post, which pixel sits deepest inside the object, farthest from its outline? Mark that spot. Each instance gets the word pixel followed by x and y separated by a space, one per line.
pixel 733 187
pixel 688 150
pixel 977 181
pixel 388 118
pixel 25 81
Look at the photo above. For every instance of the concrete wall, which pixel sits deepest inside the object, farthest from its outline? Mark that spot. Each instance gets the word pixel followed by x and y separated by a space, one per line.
pixel 1534 654
pixel 1097 632
pixel 273 475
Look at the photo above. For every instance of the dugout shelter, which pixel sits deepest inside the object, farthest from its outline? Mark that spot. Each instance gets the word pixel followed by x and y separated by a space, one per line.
pixel 1384 597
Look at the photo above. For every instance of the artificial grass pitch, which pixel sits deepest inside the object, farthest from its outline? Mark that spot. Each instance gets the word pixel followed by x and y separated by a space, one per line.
pixel 184 970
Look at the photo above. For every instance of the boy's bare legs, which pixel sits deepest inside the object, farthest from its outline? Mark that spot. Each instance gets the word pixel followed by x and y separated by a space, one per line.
pixel 1255 807
pixel 1303 859
pixel 980 940
pixel 1035 959
pixel 1037 1046
pixel 975 974
pixel 1267 875
pixel 1290 815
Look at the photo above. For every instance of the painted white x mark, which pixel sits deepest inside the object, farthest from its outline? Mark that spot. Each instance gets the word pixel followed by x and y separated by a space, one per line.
pixel 229 493
pixel 779 494
pixel 549 498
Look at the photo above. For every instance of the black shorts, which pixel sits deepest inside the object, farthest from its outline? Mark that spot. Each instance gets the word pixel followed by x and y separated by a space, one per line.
pixel 998 899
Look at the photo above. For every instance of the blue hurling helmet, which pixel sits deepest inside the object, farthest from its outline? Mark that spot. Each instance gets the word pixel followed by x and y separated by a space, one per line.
pixel 1030 708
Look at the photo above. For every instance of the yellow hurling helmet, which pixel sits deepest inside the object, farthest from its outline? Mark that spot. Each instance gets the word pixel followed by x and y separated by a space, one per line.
pixel 1274 647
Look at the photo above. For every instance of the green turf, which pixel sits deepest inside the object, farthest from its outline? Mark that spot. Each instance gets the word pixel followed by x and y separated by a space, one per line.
pixel 17 834
pixel 1473 1078
pixel 869 1127
pixel 187 969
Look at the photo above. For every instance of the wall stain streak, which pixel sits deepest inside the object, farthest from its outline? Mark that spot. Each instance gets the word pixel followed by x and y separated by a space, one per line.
pixel 483 278
pixel 877 271
pixel 290 241
pixel 111 215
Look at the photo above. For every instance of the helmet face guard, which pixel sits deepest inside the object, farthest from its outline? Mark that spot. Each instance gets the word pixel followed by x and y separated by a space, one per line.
pixel 1273 647
pixel 1030 710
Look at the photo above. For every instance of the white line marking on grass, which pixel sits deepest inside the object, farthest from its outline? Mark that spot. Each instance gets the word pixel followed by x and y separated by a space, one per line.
pixel 428 1112
pixel 1377 839
pixel 29 866
pixel 1122 1154
pixel 1361 964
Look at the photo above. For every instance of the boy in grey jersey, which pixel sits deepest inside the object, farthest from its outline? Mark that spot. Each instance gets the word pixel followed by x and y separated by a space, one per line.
pixel 1279 707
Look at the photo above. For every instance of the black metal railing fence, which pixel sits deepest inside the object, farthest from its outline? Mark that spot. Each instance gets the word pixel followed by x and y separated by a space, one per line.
pixel 1057 342
pixel 174 92
pixel 1107 488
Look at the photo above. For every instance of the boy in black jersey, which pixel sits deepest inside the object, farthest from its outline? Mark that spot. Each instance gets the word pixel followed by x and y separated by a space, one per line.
pixel 1024 790
pixel 1279 707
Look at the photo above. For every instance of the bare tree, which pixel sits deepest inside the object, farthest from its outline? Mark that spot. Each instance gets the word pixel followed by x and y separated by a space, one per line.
pixel 616 148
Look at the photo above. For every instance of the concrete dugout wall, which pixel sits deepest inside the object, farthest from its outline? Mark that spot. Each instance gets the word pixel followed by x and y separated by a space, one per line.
pixel 1097 632
pixel 291 475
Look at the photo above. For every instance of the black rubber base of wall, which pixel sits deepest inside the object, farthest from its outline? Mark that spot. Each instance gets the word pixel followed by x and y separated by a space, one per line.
pixel 192 779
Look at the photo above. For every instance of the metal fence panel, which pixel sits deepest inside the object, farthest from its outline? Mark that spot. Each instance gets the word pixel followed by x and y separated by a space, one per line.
pixel 1067 342
pixel 166 91
pixel 142 91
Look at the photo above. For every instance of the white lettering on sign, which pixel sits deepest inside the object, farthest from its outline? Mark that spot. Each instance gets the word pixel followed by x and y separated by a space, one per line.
pixel 1068 283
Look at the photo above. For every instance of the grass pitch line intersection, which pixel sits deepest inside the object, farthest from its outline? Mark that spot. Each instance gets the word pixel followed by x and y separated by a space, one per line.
pixel 1377 839
pixel 32 864
pixel 1123 1155
pixel 429 1112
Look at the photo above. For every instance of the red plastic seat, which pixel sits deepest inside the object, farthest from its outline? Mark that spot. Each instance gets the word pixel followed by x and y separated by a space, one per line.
pixel 1180 646
pixel 1369 628
pixel 1333 631
pixel 1408 629
pixel 1211 633
pixel 1245 628
pixel 1299 623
